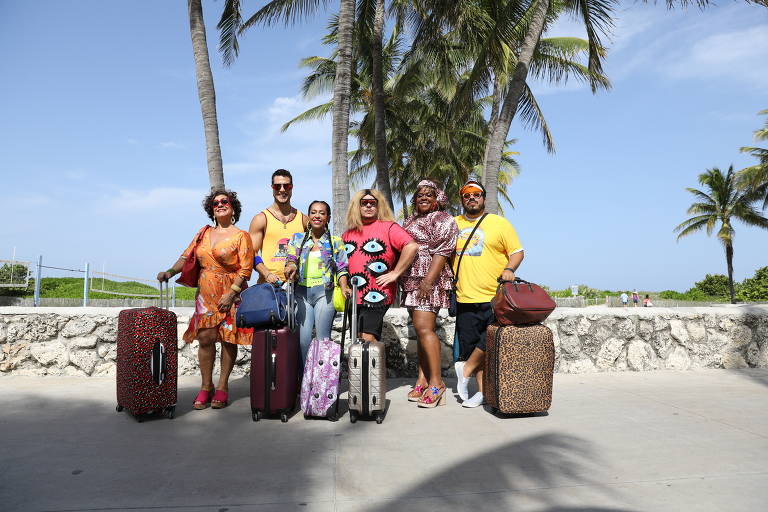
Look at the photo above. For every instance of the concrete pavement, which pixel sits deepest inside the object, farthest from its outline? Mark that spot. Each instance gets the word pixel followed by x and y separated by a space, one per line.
pixel 650 441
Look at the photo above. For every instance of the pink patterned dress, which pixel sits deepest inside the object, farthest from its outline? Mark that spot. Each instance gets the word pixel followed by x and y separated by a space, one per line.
pixel 435 233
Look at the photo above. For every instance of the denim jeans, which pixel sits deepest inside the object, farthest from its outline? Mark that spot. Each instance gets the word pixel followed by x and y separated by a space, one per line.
pixel 315 310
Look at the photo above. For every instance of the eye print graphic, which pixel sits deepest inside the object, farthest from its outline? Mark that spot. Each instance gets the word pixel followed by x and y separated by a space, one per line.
pixel 360 279
pixel 374 247
pixel 350 247
pixel 377 267
pixel 374 297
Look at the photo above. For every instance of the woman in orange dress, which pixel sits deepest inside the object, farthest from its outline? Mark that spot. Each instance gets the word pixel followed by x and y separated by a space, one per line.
pixel 225 254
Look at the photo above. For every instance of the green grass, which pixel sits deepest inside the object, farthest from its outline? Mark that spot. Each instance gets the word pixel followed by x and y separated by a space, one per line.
pixel 72 287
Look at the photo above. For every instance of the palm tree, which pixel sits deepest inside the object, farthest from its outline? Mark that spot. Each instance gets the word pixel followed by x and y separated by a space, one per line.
pixel 206 94
pixel 723 202
pixel 756 176
pixel 290 11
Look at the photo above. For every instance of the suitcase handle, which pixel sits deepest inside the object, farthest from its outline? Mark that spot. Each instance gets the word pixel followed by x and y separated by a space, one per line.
pixel 158 352
pixel 274 372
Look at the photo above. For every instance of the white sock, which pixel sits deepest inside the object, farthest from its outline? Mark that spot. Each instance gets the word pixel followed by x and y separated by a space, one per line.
pixel 476 400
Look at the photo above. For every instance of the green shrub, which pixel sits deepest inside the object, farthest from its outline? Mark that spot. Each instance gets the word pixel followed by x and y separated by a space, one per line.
pixel 714 285
pixel 755 288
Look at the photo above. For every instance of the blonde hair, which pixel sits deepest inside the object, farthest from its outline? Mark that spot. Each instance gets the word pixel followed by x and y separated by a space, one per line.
pixel 355 220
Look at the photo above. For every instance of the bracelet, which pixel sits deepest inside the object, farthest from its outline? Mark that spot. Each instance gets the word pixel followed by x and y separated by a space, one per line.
pixel 510 269
pixel 236 288
pixel 171 271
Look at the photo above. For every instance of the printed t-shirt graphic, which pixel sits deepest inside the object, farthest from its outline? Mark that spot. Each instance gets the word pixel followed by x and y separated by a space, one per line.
pixel 276 238
pixel 486 256
pixel 373 251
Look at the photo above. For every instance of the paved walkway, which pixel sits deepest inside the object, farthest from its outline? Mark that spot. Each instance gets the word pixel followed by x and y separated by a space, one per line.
pixel 655 441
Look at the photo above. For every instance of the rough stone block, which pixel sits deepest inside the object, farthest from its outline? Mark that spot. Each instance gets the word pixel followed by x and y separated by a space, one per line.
pixel 567 325
pixel 583 327
pixel 73 371
pixel 645 329
pixel 78 326
pixel 678 331
pixel 33 328
pixel 107 351
pixel 83 342
pixel 107 332
pixel 13 355
pixel 753 354
pixel 608 353
pixel 570 345
pixel 84 359
pixel 50 352
pixel 105 369
pixel 734 361
pixel 583 365
pixel 3 332
pixel 640 356
pixel 678 359
pixel 660 323
pixel 626 328
pixel 739 334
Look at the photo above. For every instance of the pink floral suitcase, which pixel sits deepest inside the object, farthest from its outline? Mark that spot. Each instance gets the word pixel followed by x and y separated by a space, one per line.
pixel 320 384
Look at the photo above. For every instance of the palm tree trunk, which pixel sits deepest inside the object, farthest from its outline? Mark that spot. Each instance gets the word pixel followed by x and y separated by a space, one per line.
pixel 206 94
pixel 404 199
pixel 380 135
pixel 341 91
pixel 493 120
pixel 729 260
pixel 495 146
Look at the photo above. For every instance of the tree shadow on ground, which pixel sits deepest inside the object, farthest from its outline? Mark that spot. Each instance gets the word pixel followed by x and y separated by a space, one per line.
pixel 757 375
pixel 65 448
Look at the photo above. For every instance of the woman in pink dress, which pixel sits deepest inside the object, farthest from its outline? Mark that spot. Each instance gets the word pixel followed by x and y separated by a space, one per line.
pixel 427 285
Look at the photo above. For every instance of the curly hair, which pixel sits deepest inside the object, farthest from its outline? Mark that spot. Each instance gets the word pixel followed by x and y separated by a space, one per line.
pixel 233 201
pixel 355 220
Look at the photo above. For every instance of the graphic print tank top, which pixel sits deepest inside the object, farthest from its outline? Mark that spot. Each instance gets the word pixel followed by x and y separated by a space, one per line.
pixel 276 237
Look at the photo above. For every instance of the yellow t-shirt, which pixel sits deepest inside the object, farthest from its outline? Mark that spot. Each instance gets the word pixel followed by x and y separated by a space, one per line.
pixel 486 256
pixel 275 244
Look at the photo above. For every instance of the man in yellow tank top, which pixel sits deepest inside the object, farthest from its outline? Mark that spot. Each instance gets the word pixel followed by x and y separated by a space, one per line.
pixel 272 228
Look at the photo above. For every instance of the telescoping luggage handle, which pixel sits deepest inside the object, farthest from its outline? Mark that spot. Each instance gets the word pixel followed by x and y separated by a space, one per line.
pixel 158 362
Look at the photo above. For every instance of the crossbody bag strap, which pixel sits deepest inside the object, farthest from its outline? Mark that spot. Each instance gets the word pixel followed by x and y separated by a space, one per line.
pixel 469 238
pixel 298 256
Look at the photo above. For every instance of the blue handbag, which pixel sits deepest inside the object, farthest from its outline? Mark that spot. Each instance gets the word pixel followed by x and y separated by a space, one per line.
pixel 265 306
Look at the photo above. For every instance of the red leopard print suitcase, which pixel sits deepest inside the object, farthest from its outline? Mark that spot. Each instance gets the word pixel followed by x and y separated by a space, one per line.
pixel 147 361
pixel 519 366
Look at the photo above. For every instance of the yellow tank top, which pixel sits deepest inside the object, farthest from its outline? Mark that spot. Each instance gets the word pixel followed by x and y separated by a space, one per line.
pixel 276 238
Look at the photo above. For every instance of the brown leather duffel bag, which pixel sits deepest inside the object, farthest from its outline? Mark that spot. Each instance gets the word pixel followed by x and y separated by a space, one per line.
pixel 519 302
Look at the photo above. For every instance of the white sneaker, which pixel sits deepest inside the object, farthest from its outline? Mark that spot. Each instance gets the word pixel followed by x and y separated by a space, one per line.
pixel 462 382
pixel 475 401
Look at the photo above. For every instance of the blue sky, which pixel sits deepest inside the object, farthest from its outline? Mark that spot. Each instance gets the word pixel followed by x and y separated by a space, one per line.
pixel 102 154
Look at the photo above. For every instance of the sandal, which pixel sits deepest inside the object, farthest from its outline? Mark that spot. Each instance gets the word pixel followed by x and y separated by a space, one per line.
pixel 203 399
pixel 433 397
pixel 416 392
pixel 220 399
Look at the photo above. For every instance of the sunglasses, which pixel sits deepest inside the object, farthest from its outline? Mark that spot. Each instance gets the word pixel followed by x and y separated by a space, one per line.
pixel 285 186
pixel 222 202
pixel 472 194
pixel 369 203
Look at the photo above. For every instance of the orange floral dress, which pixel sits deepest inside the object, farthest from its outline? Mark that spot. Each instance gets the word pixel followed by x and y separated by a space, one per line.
pixel 232 257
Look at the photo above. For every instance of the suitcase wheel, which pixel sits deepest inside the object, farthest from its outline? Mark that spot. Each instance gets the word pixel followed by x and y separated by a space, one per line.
pixel 284 417
pixel 379 419
pixel 352 416
pixel 119 408
pixel 256 415
pixel 170 412
pixel 333 417
pixel 140 418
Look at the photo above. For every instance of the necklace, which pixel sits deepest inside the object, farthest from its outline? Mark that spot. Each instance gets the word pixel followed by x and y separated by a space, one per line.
pixel 284 219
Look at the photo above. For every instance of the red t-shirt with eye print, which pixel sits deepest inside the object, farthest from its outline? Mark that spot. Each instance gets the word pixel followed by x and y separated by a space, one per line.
pixel 373 251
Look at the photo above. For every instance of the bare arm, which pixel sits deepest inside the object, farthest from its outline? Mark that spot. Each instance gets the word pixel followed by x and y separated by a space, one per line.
pixel 256 230
pixel 406 258
pixel 175 269
pixel 515 260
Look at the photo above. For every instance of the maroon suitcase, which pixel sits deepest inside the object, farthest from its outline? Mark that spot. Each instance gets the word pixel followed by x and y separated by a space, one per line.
pixel 147 361
pixel 274 372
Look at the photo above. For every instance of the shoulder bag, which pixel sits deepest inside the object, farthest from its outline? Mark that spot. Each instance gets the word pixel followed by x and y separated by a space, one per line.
pixel 452 296
pixel 190 272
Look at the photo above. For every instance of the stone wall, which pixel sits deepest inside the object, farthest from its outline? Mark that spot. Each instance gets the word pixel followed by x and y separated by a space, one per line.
pixel 81 341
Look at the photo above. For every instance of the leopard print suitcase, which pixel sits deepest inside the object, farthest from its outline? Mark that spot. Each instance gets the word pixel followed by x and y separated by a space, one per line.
pixel 519 363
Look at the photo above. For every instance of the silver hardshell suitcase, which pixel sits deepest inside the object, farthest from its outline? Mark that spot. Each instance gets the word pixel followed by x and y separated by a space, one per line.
pixel 367 364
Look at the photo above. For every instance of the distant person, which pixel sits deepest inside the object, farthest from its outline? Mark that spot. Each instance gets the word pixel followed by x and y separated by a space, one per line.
pixel 493 252
pixel 647 301
pixel 318 262
pixel 427 284
pixel 379 252
pixel 272 229
pixel 624 298
pixel 225 253
pixel 635 297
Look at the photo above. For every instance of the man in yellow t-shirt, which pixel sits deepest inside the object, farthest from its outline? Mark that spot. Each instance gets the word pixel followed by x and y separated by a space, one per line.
pixel 493 251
